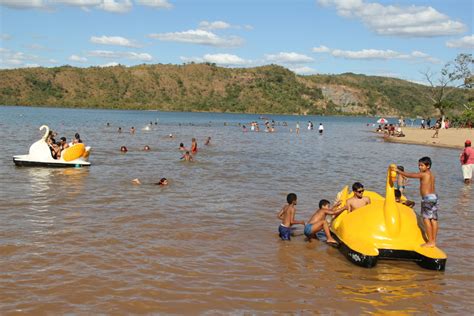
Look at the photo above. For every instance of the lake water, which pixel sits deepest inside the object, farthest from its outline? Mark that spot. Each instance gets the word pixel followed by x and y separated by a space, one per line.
pixel 88 241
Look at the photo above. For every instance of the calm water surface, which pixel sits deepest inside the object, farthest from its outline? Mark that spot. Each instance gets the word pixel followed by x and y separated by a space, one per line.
pixel 88 241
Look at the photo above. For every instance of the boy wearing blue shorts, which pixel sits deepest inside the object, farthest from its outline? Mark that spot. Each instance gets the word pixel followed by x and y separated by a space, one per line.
pixel 318 221
pixel 287 216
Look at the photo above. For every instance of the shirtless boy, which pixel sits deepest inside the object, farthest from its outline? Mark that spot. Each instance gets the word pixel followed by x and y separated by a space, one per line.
pixel 187 157
pixel 318 221
pixel 358 200
pixel 287 216
pixel 429 199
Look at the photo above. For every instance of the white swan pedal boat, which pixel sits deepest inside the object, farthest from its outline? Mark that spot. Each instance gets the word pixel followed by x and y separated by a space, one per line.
pixel 39 155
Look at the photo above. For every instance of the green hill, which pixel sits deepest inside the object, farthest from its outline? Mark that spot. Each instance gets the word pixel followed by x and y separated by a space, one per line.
pixel 206 87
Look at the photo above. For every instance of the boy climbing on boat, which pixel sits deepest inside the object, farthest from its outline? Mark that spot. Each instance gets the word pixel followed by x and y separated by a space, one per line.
pixel 318 221
pixel 429 199
pixel 287 216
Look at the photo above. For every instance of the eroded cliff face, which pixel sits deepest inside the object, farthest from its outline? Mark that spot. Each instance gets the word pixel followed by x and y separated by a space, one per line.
pixel 353 101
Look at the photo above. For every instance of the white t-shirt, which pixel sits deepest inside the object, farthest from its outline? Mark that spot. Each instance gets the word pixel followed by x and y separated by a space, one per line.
pixel 321 128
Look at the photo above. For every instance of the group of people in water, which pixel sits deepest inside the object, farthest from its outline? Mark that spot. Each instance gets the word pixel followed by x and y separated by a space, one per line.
pixel 317 221
pixel 57 147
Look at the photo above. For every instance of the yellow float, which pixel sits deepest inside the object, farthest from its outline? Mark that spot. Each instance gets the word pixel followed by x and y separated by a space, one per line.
pixel 384 229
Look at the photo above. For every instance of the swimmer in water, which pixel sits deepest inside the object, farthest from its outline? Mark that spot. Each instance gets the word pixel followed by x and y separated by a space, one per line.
pixel 194 146
pixel 123 149
pixel 146 148
pixel 187 157
pixel 162 182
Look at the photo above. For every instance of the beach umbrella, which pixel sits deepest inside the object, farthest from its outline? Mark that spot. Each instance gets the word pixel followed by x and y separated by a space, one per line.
pixel 382 121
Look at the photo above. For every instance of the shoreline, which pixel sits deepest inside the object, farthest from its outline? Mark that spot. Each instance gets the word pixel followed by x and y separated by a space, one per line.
pixel 448 138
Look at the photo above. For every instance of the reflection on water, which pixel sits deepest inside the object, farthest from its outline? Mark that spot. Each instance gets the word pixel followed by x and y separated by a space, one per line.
pixel 87 240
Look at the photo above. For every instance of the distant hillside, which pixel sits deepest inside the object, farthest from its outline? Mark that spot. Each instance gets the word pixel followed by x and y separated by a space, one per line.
pixel 206 87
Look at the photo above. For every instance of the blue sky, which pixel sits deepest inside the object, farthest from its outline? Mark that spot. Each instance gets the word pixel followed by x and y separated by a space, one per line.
pixel 386 38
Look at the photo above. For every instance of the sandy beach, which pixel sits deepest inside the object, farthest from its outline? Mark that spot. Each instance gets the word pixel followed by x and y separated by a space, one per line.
pixel 448 138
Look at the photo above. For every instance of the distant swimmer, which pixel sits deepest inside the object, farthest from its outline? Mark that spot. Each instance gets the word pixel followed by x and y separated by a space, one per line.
pixel 162 182
pixel 146 148
pixel 297 127
pixel 187 156
pixel 119 130
pixel 132 130
pixel 194 146
pixel 321 128
pixel 208 141
pixel 182 147
pixel 287 216
pixel 123 149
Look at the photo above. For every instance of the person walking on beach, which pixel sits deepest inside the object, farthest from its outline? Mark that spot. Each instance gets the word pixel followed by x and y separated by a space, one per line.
pixel 287 216
pixel 429 199
pixel 467 161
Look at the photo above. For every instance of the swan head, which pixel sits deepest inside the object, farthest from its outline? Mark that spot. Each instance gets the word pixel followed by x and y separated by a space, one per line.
pixel 47 131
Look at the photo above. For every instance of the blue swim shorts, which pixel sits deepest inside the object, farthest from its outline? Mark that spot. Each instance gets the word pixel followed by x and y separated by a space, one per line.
pixel 429 206
pixel 307 230
pixel 285 232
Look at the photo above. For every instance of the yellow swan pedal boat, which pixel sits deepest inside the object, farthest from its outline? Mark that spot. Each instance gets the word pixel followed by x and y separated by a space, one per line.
pixel 39 155
pixel 384 229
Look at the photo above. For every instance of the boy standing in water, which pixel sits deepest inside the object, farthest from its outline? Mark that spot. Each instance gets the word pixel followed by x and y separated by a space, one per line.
pixel 287 216
pixel 318 221
pixel 429 199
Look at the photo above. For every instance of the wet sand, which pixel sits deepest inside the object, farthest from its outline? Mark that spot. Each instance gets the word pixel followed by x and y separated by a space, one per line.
pixel 447 138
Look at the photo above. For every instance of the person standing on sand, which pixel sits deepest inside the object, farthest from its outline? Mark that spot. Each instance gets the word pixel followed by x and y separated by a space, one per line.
pixel 467 161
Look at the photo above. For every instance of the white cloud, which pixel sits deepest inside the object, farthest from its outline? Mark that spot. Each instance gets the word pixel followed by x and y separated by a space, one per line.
pixel 111 64
pixel 77 59
pixel 78 3
pixel 5 37
pixel 200 37
pixel 366 54
pixel 321 49
pixel 15 59
pixel 303 70
pixel 410 21
pixel 216 25
pixel 376 54
pixel 464 42
pixel 116 55
pixel 113 40
pixel 218 59
pixel 116 6
pixel 23 4
pixel 288 58
pixel 225 59
pixel 155 3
